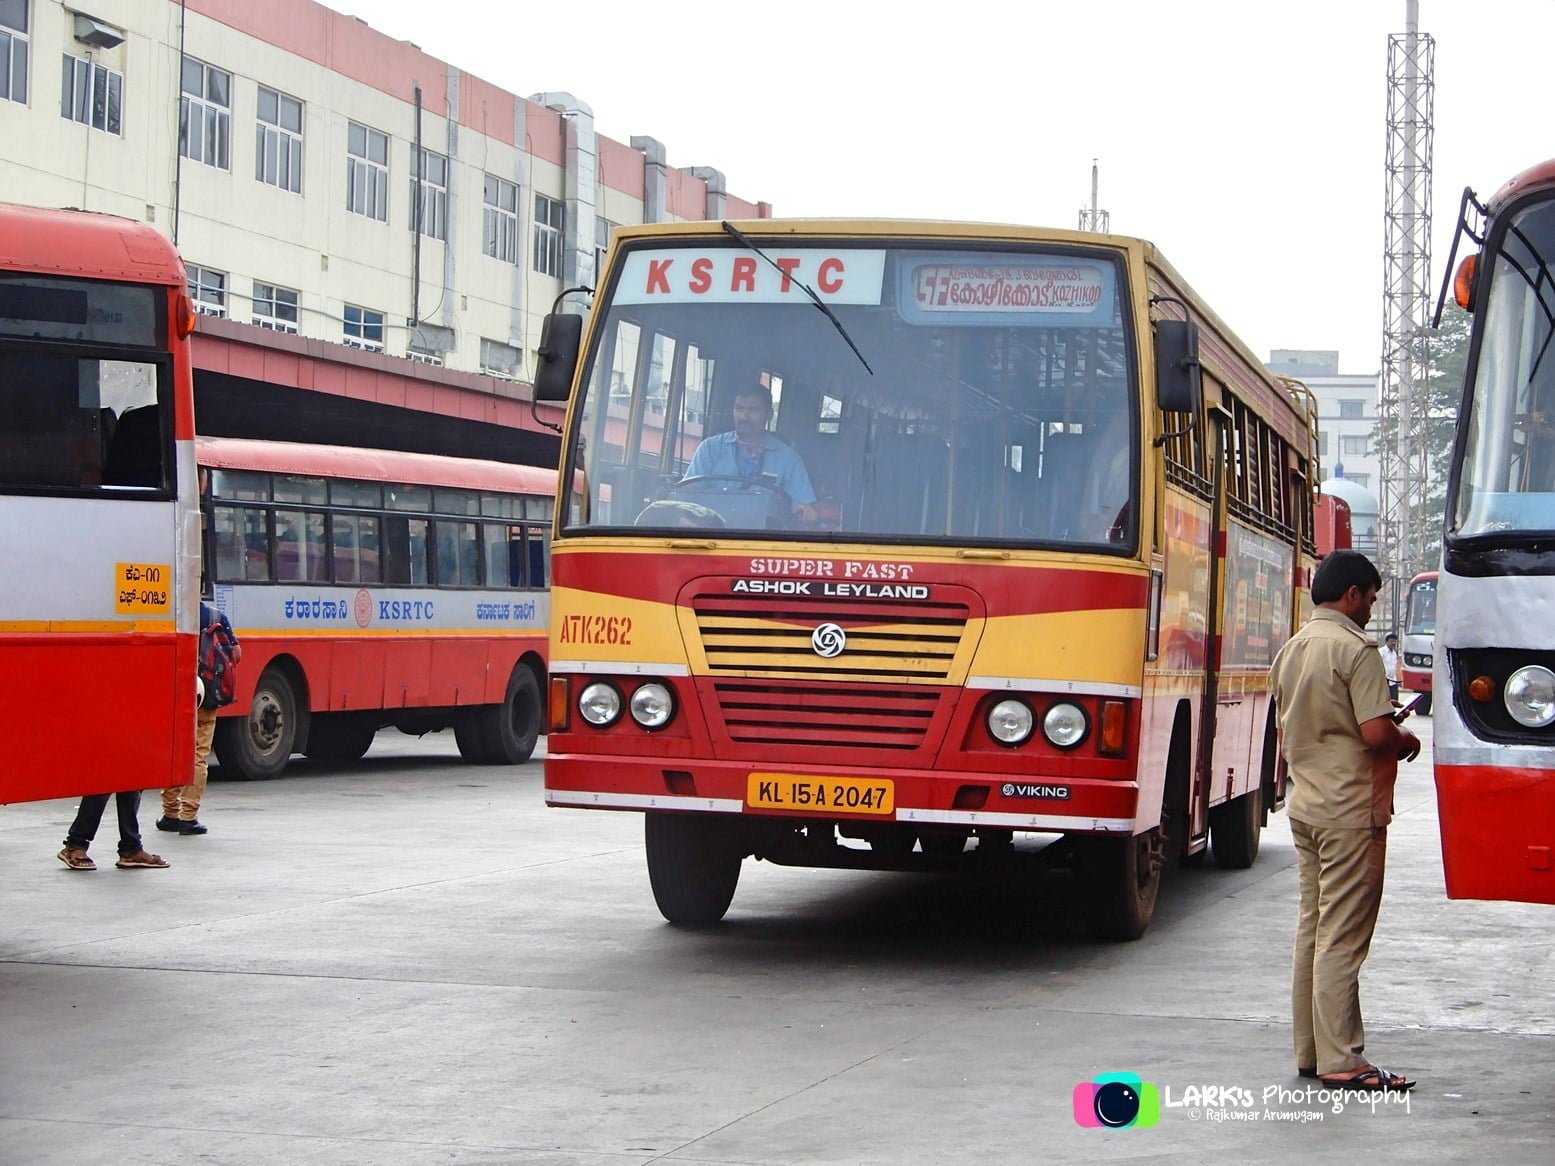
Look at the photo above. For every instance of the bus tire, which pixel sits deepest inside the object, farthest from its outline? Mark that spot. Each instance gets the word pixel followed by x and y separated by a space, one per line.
pixel 1235 827
pixel 1122 881
pixel 467 735
pixel 508 731
pixel 1424 707
pixel 693 867
pixel 259 745
pixel 340 737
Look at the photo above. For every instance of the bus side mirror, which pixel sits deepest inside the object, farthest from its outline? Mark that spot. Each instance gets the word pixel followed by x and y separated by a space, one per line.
pixel 561 339
pixel 1178 377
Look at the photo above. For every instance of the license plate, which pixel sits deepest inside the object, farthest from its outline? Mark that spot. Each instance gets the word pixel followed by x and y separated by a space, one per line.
pixel 829 795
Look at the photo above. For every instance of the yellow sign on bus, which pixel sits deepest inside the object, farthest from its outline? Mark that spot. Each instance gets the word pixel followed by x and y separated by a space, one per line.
pixel 142 588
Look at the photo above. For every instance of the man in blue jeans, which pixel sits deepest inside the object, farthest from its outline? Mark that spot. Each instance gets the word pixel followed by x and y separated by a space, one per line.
pixel 132 854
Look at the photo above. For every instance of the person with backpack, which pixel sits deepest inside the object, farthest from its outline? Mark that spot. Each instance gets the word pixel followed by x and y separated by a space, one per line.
pixel 219 656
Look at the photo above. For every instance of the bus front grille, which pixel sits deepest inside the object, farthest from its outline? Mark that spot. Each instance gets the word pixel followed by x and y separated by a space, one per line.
pixel 834 716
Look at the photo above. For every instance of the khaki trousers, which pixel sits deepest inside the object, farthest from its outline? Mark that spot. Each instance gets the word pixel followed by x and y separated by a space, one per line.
pixel 1341 873
pixel 182 802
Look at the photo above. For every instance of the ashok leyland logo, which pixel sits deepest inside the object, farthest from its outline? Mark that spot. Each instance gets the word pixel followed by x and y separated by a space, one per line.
pixel 828 640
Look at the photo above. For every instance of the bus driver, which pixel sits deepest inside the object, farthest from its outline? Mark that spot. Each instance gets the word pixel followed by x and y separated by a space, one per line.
pixel 752 454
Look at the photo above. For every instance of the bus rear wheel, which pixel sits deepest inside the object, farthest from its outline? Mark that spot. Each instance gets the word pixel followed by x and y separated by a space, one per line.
pixel 340 737
pixel 1122 881
pixel 693 867
pixel 503 734
pixel 259 745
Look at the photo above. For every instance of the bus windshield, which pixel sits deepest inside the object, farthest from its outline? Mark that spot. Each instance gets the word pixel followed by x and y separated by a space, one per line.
pixel 938 395
pixel 1507 481
pixel 1421 617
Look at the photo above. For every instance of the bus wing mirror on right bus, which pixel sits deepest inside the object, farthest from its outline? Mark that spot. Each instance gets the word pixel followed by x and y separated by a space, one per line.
pixel 1178 377
pixel 561 339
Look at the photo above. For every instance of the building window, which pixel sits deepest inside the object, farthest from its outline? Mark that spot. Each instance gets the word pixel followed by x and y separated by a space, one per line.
pixel 548 236
pixel 1361 480
pixel 208 290
pixel 421 356
pixel 1322 443
pixel 205 115
pixel 499 359
pixel 278 141
pixel 91 94
pixel 1354 445
pixel 1352 410
pixel 432 172
pixel 367 172
pixel 13 50
pixel 602 229
pixel 275 307
pixel 499 221
pixel 364 328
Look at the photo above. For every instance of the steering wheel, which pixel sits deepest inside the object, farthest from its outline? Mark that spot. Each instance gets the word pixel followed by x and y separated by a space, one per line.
pixel 700 484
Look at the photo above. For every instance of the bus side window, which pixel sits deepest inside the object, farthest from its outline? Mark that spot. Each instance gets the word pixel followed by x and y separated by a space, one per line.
pixel 405 550
pixel 539 548
pixel 503 547
pixel 242 548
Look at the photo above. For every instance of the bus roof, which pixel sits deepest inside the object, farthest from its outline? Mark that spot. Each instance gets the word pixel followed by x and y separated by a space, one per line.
pixel 1535 176
pixel 86 244
pixel 372 465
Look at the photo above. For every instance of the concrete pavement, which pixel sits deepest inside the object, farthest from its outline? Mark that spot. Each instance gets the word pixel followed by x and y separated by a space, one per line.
pixel 414 961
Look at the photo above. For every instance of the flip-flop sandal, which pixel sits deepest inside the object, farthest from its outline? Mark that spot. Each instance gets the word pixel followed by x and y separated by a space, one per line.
pixel 1373 1079
pixel 76 860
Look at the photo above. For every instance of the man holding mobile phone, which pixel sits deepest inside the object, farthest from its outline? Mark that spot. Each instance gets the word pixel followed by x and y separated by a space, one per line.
pixel 1338 734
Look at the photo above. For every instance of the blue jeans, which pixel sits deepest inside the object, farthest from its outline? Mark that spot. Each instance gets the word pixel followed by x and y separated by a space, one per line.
pixel 84 828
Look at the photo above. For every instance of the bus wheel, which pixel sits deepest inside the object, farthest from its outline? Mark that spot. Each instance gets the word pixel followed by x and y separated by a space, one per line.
pixel 1122 879
pixel 1424 707
pixel 508 731
pixel 1234 830
pixel 341 737
pixel 693 867
pixel 260 744
pixel 467 735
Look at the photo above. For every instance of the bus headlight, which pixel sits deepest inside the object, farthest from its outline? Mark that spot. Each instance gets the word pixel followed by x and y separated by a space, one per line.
pixel 652 706
pixel 1530 696
pixel 1010 722
pixel 599 704
pixel 1065 725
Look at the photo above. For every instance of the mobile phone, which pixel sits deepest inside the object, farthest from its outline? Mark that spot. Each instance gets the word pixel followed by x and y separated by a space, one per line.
pixel 1402 713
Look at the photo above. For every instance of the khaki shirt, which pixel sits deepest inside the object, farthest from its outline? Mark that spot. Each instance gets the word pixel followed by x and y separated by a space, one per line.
pixel 1327 681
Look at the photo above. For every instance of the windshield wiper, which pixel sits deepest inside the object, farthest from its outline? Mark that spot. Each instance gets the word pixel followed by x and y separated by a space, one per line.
pixel 734 231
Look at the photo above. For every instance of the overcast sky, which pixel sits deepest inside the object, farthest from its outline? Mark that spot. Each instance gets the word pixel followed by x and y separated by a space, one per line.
pixel 1245 138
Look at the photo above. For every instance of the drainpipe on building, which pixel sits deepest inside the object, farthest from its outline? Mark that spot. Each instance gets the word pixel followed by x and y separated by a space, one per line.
pixel 580 182
pixel 416 168
pixel 717 191
pixel 655 178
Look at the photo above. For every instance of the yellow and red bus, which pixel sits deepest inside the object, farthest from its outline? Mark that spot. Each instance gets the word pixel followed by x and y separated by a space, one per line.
pixel 99 526
pixel 1019 608
pixel 373 588
pixel 1494 658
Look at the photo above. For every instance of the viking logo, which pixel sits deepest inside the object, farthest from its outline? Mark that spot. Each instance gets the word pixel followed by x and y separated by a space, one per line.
pixel 828 640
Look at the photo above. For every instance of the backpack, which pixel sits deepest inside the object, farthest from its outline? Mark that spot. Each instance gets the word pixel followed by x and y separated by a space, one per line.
pixel 218 670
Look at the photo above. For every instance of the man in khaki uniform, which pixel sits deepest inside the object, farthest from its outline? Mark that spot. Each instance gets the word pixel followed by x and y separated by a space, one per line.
pixel 1342 745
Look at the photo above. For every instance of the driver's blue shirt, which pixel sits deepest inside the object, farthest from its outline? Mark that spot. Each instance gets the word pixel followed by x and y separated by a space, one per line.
pixel 777 465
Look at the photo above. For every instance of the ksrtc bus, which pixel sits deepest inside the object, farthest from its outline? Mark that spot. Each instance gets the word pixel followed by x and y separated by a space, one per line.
pixel 374 588
pixel 1001 588
pixel 1418 643
pixel 1495 635
pixel 99 525
pixel 1332 520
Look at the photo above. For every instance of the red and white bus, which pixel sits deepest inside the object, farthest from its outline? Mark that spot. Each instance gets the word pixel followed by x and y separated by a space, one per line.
pixel 1418 648
pixel 99 526
pixel 1021 608
pixel 374 588
pixel 1495 606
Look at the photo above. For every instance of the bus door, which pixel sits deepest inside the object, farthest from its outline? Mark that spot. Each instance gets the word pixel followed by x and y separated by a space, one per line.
pixel 1209 760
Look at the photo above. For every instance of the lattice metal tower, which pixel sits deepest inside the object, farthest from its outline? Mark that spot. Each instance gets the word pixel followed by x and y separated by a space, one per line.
pixel 1092 219
pixel 1406 297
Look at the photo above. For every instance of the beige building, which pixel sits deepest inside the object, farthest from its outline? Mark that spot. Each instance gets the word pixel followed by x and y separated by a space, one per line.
pixel 322 178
